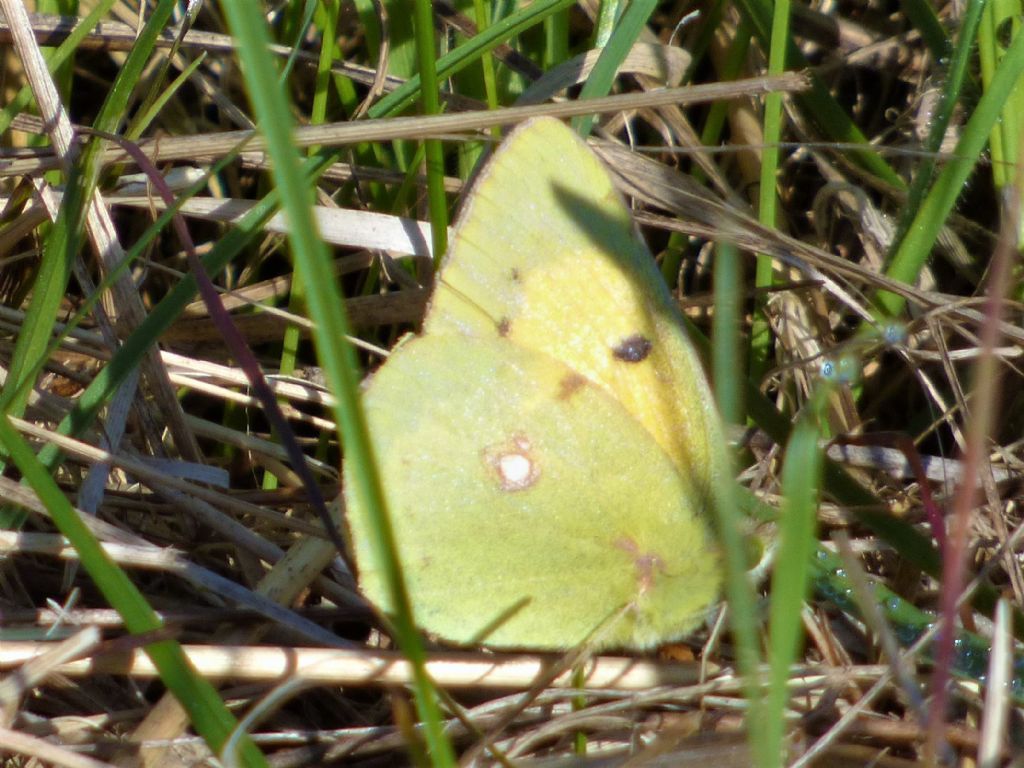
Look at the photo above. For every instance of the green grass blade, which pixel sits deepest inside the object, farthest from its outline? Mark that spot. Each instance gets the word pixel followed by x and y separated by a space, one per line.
pixel 922 16
pixel 760 333
pixel 1001 20
pixel 115 106
pixel 608 14
pixel 335 354
pixel 817 104
pixel 57 56
pixel 725 337
pixel 207 712
pixel 743 617
pixel 729 519
pixel 556 39
pixel 47 292
pixel 483 21
pixel 65 237
pixel 160 98
pixel 801 479
pixel 915 248
pixel 621 42
pixel 433 151
pixel 130 353
pixel 940 119
pixel 467 53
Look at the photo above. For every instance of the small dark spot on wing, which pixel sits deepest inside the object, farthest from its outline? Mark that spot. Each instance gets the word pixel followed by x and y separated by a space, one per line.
pixel 633 349
pixel 504 327
pixel 514 275
pixel 646 564
pixel 570 384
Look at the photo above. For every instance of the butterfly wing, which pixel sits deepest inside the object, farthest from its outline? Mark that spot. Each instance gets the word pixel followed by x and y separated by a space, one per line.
pixel 530 508
pixel 546 256
pixel 546 444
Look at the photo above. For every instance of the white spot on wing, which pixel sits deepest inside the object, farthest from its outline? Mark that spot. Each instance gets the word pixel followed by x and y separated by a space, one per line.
pixel 513 464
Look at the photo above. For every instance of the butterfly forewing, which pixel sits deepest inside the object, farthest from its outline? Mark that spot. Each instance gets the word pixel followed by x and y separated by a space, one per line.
pixel 546 255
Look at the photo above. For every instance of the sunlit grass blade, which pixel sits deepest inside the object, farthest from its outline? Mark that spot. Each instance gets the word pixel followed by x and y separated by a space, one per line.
pixel 801 479
pixel 740 597
pixel 915 248
pixel 760 334
pixel 818 104
pixel 1000 21
pixel 621 41
pixel 741 600
pixel 725 337
pixel 940 119
pixel 335 354
pixel 470 51
pixel 432 149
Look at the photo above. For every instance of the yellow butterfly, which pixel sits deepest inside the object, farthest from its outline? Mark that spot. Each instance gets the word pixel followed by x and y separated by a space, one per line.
pixel 546 443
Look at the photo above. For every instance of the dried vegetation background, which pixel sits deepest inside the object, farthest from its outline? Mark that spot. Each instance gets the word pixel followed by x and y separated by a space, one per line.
pixel 183 480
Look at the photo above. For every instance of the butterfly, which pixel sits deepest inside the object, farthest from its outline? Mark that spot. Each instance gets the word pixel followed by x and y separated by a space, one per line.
pixel 546 443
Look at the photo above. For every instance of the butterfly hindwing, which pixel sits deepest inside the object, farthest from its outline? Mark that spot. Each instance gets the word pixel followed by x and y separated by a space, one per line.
pixel 514 510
